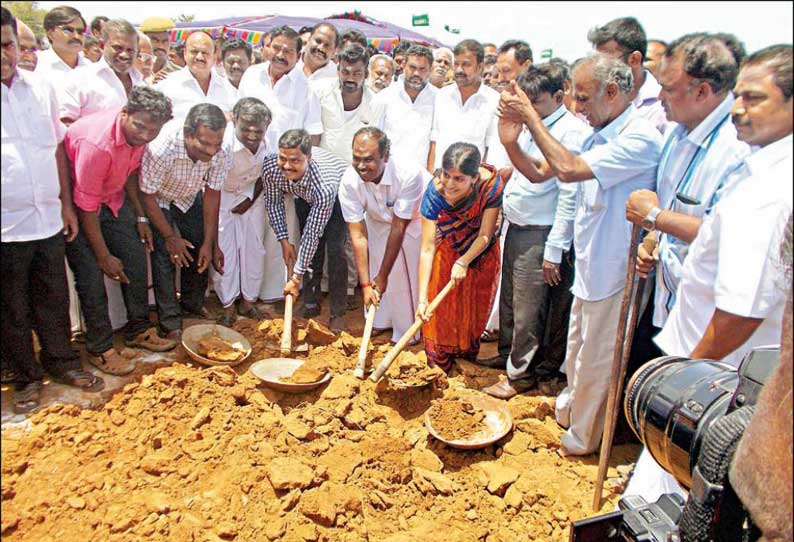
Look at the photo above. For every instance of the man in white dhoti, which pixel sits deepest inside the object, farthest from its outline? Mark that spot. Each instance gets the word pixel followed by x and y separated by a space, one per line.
pixel 241 222
pixel 380 202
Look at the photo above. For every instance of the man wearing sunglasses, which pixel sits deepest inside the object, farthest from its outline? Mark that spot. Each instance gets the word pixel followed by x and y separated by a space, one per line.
pixel 65 28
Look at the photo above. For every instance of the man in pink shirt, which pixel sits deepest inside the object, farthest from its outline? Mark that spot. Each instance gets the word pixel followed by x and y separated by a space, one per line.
pixel 104 152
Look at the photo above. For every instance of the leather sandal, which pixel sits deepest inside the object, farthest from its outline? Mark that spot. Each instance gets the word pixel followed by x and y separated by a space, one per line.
pixel 111 362
pixel 27 399
pixel 151 341
pixel 507 389
pixel 253 313
pixel 80 379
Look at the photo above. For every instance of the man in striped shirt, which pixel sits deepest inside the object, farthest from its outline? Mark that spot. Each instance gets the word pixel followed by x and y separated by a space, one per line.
pixel 313 175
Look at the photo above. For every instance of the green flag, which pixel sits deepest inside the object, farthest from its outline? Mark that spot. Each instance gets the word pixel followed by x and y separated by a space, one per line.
pixel 546 53
pixel 420 20
pixel 453 30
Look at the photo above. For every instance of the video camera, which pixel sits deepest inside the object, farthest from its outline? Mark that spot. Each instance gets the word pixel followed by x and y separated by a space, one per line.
pixel 690 414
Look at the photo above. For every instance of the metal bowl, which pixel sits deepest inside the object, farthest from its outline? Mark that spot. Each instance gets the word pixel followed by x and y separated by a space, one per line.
pixel 498 422
pixel 272 370
pixel 192 335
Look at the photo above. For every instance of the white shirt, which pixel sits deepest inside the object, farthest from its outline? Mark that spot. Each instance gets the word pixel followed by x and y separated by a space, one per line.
pixel 697 164
pixel 552 202
pixel 329 71
pixel 473 122
pixel 734 264
pixel 185 92
pixel 339 126
pixel 623 157
pixel 290 101
pixel 408 123
pixel 49 64
pixel 399 193
pixel 648 104
pixel 246 167
pixel 31 205
pixel 93 88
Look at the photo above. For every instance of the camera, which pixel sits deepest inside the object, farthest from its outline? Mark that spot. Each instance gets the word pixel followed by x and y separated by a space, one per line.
pixel 690 414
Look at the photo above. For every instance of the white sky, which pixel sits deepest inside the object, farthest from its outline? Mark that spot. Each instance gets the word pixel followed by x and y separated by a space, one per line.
pixel 561 26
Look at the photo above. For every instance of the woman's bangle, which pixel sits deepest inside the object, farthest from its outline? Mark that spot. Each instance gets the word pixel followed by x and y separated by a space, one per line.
pixel 460 263
pixel 365 285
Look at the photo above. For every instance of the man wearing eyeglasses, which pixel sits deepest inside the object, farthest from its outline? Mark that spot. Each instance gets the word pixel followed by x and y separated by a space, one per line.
pixel 65 28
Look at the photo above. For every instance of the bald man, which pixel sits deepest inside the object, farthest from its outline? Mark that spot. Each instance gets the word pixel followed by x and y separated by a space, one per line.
pixel 199 83
pixel 28 46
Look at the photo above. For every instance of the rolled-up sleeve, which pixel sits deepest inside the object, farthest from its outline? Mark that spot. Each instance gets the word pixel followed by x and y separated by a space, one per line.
pixel 623 158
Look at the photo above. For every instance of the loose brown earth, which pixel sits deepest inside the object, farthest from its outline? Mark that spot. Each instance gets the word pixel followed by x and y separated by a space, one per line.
pixel 207 454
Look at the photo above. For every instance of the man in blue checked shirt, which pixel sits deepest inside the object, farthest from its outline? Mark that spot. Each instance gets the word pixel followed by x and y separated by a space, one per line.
pixel 313 176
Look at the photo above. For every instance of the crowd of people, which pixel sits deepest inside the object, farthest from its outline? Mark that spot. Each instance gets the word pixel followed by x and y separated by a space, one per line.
pixel 259 172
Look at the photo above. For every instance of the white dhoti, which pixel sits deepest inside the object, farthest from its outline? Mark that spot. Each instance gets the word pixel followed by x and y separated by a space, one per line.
pixel 493 319
pixel 241 239
pixel 275 272
pixel 651 481
pixel 397 308
pixel 581 406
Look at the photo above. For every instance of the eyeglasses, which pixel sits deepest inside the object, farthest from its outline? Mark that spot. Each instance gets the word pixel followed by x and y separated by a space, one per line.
pixel 145 57
pixel 70 30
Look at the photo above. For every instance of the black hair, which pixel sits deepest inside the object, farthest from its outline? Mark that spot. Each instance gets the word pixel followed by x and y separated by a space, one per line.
pixel 523 51
pixel 332 27
pixel 252 108
pixel 383 140
pixel 145 99
pixel 208 115
pixel 288 33
pixel 546 77
pixel 296 139
pixel 61 15
pixel 627 32
pixel 354 53
pixel 778 58
pixel 421 50
pixel 236 43
pixel 8 19
pixel 353 36
pixel 462 156
pixel 707 58
pixel 472 46
pixel 96 23
pixel 121 26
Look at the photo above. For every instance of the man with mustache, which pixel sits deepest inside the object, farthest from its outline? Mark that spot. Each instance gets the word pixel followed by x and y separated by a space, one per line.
pixel 732 290
pixel 465 111
pixel 92 50
pixel 159 31
pixel 199 83
pixel 237 56
pixel 104 151
pixel 381 71
pixel 316 56
pixel 144 62
pixel 28 46
pixel 312 175
pixel 440 71
pixel 182 173
pixel 514 57
pixel 106 84
pixel 65 28
pixel 408 108
pixel 284 88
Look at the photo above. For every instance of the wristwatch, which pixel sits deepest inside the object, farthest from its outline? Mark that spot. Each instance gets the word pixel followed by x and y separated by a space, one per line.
pixel 649 222
pixel 142 220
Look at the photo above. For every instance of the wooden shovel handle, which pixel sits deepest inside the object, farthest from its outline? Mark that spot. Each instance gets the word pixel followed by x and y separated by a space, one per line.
pixel 286 337
pixel 362 352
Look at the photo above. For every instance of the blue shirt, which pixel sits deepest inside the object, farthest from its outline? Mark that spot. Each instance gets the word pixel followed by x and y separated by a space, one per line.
pixel 696 165
pixel 552 202
pixel 623 157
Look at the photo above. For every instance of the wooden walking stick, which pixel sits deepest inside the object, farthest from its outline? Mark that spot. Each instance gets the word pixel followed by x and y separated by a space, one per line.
pixel 362 351
pixel 620 358
pixel 286 336
pixel 408 335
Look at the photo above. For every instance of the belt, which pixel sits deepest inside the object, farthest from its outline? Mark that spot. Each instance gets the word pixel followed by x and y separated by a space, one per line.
pixel 529 227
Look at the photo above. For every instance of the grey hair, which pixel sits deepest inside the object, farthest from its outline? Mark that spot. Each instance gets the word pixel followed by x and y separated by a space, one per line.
pixel 121 26
pixel 707 59
pixel 381 56
pixel 462 156
pixel 607 70
pixel 447 50
pixel 296 139
pixel 384 145
pixel 145 99
pixel 208 115
pixel 253 110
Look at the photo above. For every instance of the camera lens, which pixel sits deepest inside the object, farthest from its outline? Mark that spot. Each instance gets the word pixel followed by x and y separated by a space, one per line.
pixel 670 403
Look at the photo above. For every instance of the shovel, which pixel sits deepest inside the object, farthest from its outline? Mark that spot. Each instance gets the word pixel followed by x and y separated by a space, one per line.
pixel 408 335
pixel 362 352
pixel 286 337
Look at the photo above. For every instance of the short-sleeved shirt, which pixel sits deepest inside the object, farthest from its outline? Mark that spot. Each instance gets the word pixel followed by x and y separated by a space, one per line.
pixel 473 122
pixel 168 171
pixel 101 161
pixel 339 126
pixel 698 165
pixel 246 166
pixel 552 202
pixel 92 89
pixel 398 193
pixel 185 92
pixel 735 262
pixel 408 123
pixel 290 101
pixel 31 205
pixel 49 64
pixel 623 156
pixel 329 71
pixel 318 187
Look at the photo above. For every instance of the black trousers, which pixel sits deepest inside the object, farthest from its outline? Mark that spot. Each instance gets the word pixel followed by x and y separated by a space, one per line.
pixel 121 238
pixel 35 297
pixel 334 236
pixel 193 285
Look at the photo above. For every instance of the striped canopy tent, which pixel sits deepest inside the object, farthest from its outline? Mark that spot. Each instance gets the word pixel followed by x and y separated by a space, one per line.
pixel 383 36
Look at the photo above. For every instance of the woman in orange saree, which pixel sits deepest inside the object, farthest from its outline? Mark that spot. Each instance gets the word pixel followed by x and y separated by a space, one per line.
pixel 460 210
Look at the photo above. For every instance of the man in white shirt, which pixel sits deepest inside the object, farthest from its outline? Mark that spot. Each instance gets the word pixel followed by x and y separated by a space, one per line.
pixel 408 108
pixel 619 157
pixel 441 68
pixel 380 202
pixel 37 211
pixel 198 83
pixel 537 266
pixel 625 39
pixel 733 286
pixel 381 73
pixel 107 83
pixel 28 47
pixel 317 54
pixel 237 56
pixel 65 28
pixel 465 111
pixel 241 222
